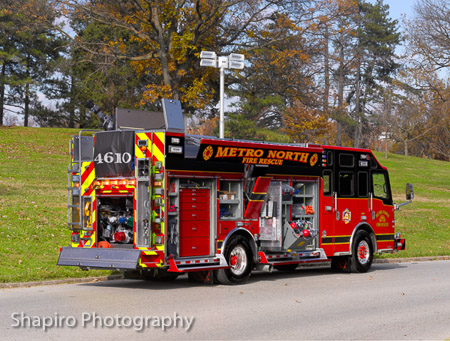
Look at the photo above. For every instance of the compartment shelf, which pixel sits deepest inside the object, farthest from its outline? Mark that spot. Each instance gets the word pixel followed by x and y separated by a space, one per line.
pixel 225 201
pixel 230 207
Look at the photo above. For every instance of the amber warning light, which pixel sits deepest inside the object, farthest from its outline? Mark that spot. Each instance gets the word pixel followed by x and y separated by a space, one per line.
pixel 113 183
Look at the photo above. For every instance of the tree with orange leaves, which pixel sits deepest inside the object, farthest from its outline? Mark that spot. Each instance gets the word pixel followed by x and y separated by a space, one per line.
pixel 165 39
pixel 305 124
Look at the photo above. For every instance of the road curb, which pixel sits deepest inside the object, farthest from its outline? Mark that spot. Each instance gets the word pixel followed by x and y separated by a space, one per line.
pixel 60 281
pixel 116 277
pixel 410 260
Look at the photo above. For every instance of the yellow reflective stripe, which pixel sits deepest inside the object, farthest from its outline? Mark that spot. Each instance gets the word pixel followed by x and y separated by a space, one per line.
pixel 159 154
pixel 89 179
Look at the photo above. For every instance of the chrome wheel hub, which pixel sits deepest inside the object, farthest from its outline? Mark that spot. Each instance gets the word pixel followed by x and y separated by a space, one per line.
pixel 238 260
pixel 363 251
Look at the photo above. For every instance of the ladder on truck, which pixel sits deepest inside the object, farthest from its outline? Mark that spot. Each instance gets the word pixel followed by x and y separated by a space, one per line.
pixel 74 195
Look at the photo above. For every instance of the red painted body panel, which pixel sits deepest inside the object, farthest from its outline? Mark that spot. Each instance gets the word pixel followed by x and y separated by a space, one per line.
pixel 194 246
pixel 254 206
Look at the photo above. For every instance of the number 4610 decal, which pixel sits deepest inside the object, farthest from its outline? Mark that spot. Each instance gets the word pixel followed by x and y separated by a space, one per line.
pixel 111 157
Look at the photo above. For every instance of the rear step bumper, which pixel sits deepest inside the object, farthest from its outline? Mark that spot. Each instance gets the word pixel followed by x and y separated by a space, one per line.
pixel 196 265
pixel 99 258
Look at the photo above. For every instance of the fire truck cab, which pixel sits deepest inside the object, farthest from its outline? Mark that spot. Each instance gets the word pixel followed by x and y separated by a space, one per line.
pixel 151 199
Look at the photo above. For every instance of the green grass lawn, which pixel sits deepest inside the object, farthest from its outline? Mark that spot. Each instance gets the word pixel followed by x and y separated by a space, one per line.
pixel 33 204
pixel 426 222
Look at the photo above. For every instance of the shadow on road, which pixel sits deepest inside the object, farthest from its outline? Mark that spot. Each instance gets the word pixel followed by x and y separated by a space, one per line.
pixel 257 276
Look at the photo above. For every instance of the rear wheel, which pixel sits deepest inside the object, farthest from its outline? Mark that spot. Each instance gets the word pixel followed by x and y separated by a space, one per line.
pixel 199 276
pixel 238 254
pixel 340 263
pixel 362 252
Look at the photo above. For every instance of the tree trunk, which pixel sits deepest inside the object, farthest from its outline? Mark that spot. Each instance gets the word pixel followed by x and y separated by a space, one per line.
pixel 163 52
pixel 71 105
pixel 341 79
pixel 27 104
pixel 83 119
pixel 386 122
pixel 27 93
pixel 2 93
pixel 358 128
pixel 326 57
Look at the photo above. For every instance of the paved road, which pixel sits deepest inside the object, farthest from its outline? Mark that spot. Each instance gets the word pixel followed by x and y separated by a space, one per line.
pixel 392 301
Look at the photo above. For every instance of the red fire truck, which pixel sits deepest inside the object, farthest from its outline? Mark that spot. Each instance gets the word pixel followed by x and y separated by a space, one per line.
pixel 151 199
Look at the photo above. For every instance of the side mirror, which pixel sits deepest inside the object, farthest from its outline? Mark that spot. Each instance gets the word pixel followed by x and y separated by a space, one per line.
pixel 409 196
pixel 409 192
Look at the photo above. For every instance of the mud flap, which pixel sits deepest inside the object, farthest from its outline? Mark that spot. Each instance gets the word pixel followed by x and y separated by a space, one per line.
pixel 99 258
pixel 400 244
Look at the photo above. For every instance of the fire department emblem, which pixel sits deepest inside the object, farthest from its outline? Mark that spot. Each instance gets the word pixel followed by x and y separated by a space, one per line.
pixel 313 160
pixel 207 153
pixel 346 216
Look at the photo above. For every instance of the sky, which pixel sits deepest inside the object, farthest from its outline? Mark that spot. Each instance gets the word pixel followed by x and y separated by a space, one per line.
pixel 399 7
pixel 399 10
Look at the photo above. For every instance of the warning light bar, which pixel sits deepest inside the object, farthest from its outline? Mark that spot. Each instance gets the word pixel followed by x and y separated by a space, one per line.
pixel 114 183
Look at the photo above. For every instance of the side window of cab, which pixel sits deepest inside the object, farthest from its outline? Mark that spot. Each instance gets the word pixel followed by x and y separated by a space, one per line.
pixel 380 186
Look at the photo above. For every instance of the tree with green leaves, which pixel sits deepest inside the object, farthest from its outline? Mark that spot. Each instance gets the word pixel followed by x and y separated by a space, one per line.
pixel 359 61
pixel 377 38
pixel 29 48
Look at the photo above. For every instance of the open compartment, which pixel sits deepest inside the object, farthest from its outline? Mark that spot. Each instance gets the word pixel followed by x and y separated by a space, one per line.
pixel 115 220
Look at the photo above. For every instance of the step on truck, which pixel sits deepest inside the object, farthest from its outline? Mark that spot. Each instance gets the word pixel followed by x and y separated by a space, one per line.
pixel 148 199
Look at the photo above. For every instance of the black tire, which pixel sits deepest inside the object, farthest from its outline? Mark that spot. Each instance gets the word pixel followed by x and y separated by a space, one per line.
pixel 199 276
pixel 286 267
pixel 362 252
pixel 340 264
pixel 158 275
pixel 239 255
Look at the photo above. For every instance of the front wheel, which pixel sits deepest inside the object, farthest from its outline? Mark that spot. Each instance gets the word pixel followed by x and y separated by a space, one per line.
pixel 362 252
pixel 238 254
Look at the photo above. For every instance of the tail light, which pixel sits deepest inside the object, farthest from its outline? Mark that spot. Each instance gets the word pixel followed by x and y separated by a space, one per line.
pixel 113 183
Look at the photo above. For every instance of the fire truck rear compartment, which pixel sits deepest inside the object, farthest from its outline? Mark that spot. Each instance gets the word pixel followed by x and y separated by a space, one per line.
pixel 115 220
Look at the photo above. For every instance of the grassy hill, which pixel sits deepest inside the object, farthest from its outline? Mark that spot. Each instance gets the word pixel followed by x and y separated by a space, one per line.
pixel 33 199
pixel 426 222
